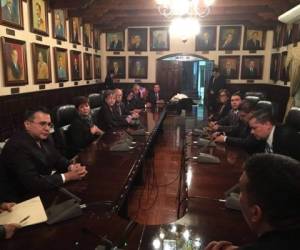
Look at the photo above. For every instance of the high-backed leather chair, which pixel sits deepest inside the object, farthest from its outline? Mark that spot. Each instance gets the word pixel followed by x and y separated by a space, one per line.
pixel 293 118
pixel 258 94
pixel 268 107
pixel 63 117
pixel 95 101
pixel 252 99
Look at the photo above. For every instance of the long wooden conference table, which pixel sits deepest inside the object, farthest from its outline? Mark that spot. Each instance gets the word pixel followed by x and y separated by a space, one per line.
pixel 202 217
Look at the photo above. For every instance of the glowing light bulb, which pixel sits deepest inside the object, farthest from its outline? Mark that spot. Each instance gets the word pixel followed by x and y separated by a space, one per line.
pixel 186 235
pixel 156 243
pixel 173 228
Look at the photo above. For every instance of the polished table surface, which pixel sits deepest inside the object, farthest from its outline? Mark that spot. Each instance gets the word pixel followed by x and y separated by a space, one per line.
pixel 111 175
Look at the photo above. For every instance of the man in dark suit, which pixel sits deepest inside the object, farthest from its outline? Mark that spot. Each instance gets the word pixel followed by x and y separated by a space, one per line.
pixel 108 118
pixel 205 41
pixel 270 202
pixel 251 71
pixel 229 43
pixel 154 96
pixel 15 71
pixel 10 11
pixel 280 139
pixel 29 158
pixel 75 69
pixel 116 43
pixel 216 82
pixel 229 72
pixel 253 43
pixel 83 130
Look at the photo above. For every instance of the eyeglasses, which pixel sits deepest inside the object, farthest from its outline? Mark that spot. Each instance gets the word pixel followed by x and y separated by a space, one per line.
pixel 44 124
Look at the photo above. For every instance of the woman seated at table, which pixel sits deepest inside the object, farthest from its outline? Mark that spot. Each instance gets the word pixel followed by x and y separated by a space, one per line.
pixel 223 106
pixel 108 118
pixel 83 129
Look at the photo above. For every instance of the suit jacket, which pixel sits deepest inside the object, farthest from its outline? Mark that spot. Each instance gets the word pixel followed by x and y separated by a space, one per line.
pixel 137 102
pixel 248 143
pixel 28 166
pixel 286 141
pixel 79 134
pixel 10 15
pixel 121 109
pixel 229 75
pixel 214 85
pixel 276 240
pixel 253 45
pixel 222 111
pixel 152 97
pixel 229 122
pixel 251 74
pixel 116 45
pixel 108 119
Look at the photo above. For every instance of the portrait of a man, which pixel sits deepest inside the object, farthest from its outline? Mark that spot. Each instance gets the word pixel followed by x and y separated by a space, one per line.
pixel 284 75
pixel 159 39
pixel 41 63
pixel 252 67
pixel 138 67
pixel 14 59
pixel 229 66
pixel 275 63
pixel 59 24
pixel 289 31
pixel 97 39
pixel 206 40
pixel 61 64
pixel 87 66
pixel 254 39
pixel 39 10
pixel 75 57
pixel 97 67
pixel 11 12
pixel 116 64
pixel 75 35
pixel 115 41
pixel 230 38
pixel 277 37
pixel 87 35
pixel 137 39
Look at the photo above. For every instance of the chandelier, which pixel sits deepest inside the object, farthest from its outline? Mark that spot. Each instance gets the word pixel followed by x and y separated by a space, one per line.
pixel 180 8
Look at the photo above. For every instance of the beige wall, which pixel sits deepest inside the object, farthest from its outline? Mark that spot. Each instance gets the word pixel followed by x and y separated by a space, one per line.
pixel 176 46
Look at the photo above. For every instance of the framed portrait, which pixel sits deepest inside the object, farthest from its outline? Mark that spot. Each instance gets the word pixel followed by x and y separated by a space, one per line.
pixel 61 64
pixel 277 37
pixel 97 66
pixel 252 67
pixel 115 41
pixel 275 64
pixel 11 13
pixel 87 35
pixel 14 62
pixel 159 39
pixel 138 67
pixel 97 34
pixel 59 24
pixel 87 63
pixel 39 16
pixel 254 39
pixel 290 34
pixel 74 28
pixel 76 65
pixel 284 73
pixel 230 38
pixel 41 63
pixel 117 65
pixel 207 39
pixel 137 39
pixel 230 66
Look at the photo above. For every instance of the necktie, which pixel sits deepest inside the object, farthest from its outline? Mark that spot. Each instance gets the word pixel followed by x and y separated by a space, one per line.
pixel 268 149
pixel 157 97
pixel 120 111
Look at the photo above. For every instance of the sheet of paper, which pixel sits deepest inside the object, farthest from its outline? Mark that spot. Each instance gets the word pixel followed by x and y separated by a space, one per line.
pixel 31 209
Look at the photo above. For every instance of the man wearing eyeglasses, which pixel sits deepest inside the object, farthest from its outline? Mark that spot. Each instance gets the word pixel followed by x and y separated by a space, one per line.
pixel 31 162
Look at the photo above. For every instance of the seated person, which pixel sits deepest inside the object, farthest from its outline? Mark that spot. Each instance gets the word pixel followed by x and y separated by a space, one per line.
pixel 108 118
pixel 270 203
pixel 279 139
pixel 230 121
pixel 137 99
pixel 120 106
pixel 240 136
pixel 223 106
pixel 130 103
pixel 29 157
pixel 7 230
pixel 155 97
pixel 83 129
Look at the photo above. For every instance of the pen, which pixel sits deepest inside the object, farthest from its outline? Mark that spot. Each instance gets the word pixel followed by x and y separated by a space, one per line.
pixel 26 218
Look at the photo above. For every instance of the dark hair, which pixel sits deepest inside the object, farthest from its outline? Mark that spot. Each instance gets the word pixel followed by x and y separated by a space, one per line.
pixel 246 106
pixel 216 69
pixel 30 113
pixel 273 184
pixel 224 91
pixel 262 116
pixel 79 100
pixel 107 93
pixel 237 93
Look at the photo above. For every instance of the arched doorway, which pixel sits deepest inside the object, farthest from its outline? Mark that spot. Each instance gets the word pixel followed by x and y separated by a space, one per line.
pixel 183 73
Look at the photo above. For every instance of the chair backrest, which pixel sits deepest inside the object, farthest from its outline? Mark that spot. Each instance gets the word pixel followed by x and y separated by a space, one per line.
pixel 95 100
pixel 63 117
pixel 252 99
pixel 293 118
pixel 266 105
